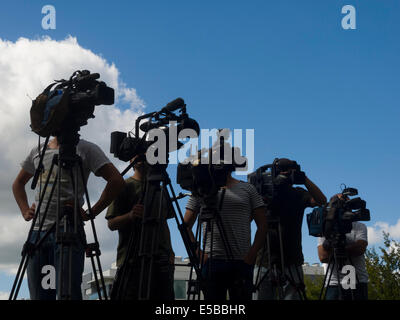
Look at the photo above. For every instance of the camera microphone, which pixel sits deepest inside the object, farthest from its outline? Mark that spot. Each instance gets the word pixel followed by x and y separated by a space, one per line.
pixel 93 76
pixel 174 105
pixel 86 76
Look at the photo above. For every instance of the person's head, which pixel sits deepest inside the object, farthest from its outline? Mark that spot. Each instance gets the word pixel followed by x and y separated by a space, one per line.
pixel 341 196
pixel 286 166
pixel 139 166
pixel 337 199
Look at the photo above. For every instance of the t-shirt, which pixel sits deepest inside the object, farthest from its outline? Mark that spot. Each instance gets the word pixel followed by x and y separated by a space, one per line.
pixel 93 158
pixel 290 210
pixel 130 196
pixel 236 214
pixel 358 232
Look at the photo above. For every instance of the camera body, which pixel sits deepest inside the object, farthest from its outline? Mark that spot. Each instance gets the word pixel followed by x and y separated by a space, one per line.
pixel 272 180
pixel 337 217
pixel 69 105
pixel 126 146
pixel 205 175
pixel 86 90
pixel 202 178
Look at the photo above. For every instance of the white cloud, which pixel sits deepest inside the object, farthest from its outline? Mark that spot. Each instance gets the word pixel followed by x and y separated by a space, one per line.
pixel 4 295
pixel 375 232
pixel 27 67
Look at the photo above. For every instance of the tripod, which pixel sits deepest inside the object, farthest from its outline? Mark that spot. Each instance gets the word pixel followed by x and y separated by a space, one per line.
pixel 338 258
pixel 276 273
pixel 144 238
pixel 68 227
pixel 208 219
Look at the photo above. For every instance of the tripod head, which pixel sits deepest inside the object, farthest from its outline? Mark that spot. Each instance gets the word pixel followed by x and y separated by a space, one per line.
pixel 68 140
pixel 338 241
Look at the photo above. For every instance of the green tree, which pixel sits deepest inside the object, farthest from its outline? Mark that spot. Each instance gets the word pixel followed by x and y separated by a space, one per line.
pixel 384 270
pixel 313 286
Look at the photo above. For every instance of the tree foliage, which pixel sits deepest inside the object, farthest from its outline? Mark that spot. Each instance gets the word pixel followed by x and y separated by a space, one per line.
pixel 383 269
pixel 313 286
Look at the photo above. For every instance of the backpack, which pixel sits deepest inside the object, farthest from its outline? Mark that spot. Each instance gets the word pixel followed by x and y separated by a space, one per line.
pixel 49 110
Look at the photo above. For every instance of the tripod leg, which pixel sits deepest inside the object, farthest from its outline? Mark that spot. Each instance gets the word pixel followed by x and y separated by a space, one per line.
pixel 207 276
pixel 191 251
pixel 124 272
pixel 339 263
pixel 191 283
pixel 258 281
pixel 149 236
pixel 262 291
pixel 76 219
pixel 19 278
pixel 60 286
pixel 25 262
pixel 325 284
pixel 22 268
pixel 203 232
pixel 96 277
pixel 357 280
pixel 278 283
pixel 96 242
pixel 66 238
pixel 297 283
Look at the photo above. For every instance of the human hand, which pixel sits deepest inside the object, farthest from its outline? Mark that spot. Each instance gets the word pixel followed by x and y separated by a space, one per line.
pixel 203 257
pixel 85 216
pixel 29 213
pixel 136 212
pixel 327 245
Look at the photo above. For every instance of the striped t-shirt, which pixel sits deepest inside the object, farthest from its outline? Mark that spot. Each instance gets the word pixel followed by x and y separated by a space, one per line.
pixel 236 214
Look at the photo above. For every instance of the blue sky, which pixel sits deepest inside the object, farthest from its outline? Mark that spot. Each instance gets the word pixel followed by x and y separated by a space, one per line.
pixel 324 96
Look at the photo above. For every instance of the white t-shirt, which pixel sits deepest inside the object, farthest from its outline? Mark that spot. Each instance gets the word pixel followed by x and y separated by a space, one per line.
pixel 358 232
pixel 93 158
pixel 236 214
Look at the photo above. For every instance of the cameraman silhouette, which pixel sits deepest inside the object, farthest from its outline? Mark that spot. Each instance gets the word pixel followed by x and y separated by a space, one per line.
pixel 241 204
pixel 94 160
pixel 288 207
pixel 355 246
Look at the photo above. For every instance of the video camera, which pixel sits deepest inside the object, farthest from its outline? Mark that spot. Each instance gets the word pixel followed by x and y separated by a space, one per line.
pixel 70 104
pixel 337 217
pixel 205 173
pixel 127 146
pixel 271 180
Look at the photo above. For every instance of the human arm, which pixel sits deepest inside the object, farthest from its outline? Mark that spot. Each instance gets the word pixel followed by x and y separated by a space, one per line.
pixel 18 188
pixel 115 184
pixel 318 198
pixel 356 243
pixel 323 254
pixel 356 248
pixel 353 249
pixel 122 221
pixel 259 238
pixel 359 245
pixel 189 220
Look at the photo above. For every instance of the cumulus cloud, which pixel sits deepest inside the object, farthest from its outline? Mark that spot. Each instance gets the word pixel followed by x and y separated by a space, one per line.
pixel 27 67
pixel 375 232
pixel 4 295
